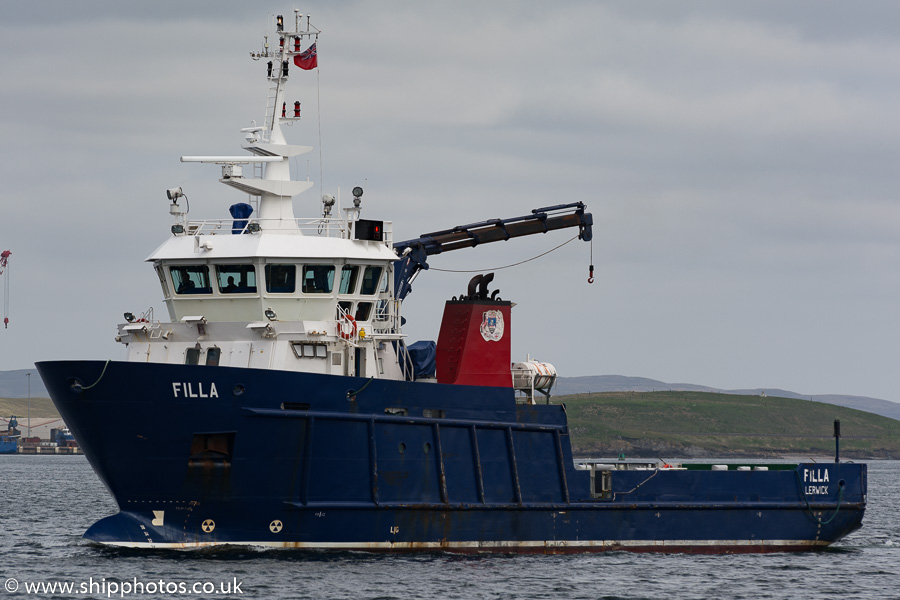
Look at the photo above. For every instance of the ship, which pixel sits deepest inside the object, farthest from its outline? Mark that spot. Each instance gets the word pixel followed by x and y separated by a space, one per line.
pixel 282 406
pixel 9 438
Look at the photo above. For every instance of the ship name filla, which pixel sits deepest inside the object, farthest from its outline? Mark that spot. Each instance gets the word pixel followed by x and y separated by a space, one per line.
pixel 194 390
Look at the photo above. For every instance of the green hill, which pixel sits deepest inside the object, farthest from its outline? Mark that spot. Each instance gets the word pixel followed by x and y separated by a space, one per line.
pixel 701 424
pixel 41 408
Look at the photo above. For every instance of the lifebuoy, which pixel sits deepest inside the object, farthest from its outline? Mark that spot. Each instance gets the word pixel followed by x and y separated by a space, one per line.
pixel 347 320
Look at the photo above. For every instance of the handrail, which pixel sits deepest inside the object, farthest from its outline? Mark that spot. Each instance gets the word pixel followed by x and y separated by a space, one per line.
pixel 332 228
pixel 318 226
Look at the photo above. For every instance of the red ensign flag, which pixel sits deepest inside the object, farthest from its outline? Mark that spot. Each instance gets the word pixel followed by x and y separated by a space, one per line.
pixel 306 60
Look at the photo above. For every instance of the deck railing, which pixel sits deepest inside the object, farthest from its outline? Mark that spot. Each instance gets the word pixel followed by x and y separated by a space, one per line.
pixel 321 227
pixel 335 228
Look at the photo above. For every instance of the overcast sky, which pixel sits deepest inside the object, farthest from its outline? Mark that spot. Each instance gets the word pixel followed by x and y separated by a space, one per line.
pixel 739 159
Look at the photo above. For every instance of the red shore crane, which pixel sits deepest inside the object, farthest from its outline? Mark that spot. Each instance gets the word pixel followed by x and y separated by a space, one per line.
pixel 4 263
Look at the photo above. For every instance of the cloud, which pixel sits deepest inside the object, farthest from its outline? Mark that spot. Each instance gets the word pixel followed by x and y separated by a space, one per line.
pixel 738 158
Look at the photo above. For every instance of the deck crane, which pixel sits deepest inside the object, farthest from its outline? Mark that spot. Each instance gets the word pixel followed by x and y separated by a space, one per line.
pixel 414 253
pixel 4 263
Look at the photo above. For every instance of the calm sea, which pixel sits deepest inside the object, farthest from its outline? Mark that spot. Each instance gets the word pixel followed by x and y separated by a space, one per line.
pixel 48 502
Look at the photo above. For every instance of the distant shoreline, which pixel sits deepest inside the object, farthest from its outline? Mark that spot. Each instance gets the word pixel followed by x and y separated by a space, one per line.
pixel 688 425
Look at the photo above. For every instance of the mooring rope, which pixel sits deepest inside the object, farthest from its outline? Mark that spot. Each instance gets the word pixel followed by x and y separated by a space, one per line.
pixel 102 373
pixel 353 393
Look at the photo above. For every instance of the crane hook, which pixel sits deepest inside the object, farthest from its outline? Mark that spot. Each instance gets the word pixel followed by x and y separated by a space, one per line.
pixel 591 274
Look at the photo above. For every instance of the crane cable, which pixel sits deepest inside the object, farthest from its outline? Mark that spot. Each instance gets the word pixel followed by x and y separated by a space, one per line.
pixel 591 268
pixel 521 262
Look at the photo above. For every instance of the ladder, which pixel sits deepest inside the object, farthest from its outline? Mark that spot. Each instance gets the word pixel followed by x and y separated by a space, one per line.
pixel 271 100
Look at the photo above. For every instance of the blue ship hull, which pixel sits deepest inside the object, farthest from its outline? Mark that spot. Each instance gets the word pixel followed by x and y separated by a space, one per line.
pixel 9 445
pixel 198 456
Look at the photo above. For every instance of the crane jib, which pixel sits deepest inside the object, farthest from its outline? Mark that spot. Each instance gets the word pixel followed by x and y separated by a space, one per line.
pixel 413 253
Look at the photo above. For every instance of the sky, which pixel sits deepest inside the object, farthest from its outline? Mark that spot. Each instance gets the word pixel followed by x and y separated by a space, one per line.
pixel 739 159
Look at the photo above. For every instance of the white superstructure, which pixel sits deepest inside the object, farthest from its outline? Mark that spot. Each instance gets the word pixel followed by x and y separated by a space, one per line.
pixel 267 290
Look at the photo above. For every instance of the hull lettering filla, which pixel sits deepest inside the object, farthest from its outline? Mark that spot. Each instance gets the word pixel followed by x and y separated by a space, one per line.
pixel 194 390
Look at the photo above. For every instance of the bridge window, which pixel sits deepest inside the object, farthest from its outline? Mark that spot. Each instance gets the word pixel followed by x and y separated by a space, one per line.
pixel 363 309
pixel 318 279
pixel 370 281
pixel 281 279
pixel 191 279
pixel 348 279
pixel 236 279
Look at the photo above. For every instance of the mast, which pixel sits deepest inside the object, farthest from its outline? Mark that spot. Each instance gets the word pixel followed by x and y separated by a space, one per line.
pixel 271 152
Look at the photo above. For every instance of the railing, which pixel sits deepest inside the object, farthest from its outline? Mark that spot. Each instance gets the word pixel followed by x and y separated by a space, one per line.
pixel 386 318
pixel 322 227
pixel 333 228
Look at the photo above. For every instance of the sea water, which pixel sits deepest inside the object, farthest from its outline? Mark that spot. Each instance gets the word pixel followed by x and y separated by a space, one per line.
pixel 48 502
